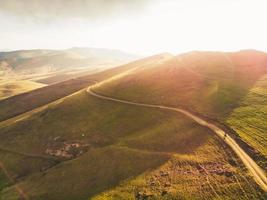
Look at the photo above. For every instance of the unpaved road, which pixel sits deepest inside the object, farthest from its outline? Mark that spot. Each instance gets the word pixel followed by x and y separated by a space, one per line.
pixel 257 173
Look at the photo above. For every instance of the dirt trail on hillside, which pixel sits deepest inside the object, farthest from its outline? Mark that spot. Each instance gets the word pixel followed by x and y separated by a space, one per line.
pixel 257 173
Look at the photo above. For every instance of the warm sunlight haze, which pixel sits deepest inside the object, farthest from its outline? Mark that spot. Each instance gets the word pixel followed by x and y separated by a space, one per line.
pixel 133 100
pixel 153 27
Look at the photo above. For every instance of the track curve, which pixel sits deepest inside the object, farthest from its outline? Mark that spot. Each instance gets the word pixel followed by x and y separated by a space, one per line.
pixel 254 169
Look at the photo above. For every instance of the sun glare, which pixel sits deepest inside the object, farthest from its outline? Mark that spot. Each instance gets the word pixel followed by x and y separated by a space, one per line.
pixel 176 26
pixel 169 25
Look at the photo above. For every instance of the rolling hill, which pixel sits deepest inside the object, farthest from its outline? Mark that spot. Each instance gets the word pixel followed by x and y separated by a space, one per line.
pixel 83 147
pixel 229 88
pixel 22 103
pixel 25 70
pixel 118 152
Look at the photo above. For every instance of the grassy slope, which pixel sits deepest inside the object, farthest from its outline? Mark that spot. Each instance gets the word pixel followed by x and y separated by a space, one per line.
pixel 213 84
pixel 185 182
pixel 19 166
pixel 209 83
pixel 250 119
pixel 127 146
pixel 19 104
pixel 22 103
pixel 11 88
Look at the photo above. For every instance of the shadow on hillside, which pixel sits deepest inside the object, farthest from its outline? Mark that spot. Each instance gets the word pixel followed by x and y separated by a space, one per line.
pixel 93 173
pixel 215 97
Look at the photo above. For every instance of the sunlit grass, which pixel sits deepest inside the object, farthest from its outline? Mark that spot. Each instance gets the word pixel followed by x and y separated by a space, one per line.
pixel 250 119
pixel 11 88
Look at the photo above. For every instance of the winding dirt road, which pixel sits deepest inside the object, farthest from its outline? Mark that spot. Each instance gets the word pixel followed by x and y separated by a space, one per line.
pixel 257 173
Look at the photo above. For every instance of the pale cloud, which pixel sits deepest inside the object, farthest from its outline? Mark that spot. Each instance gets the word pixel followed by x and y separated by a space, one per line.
pixel 140 26
pixel 90 9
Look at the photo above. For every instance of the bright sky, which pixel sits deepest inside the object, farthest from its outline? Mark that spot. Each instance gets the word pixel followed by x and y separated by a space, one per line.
pixel 152 26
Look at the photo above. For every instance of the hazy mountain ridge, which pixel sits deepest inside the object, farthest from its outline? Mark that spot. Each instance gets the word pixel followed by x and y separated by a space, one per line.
pixel 44 61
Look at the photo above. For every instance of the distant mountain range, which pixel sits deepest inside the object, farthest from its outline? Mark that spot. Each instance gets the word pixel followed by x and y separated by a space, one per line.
pixel 47 61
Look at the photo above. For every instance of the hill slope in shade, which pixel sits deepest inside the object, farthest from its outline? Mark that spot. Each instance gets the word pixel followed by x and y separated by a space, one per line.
pixel 213 84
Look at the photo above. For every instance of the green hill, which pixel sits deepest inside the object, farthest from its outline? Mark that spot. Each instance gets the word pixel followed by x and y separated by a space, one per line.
pixel 83 147
pixel 227 87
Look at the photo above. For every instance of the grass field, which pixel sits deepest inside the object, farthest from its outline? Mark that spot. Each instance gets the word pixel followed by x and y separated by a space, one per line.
pixel 127 147
pixel 11 88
